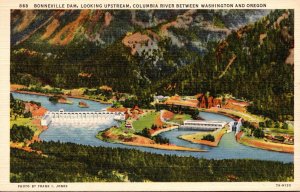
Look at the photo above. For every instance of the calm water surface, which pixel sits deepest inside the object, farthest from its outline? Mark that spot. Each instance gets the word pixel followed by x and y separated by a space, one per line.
pixel 84 133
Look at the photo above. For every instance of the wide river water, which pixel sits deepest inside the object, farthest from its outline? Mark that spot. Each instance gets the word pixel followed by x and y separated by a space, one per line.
pixel 84 133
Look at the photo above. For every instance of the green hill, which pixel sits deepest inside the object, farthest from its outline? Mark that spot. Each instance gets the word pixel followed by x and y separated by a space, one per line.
pixel 250 63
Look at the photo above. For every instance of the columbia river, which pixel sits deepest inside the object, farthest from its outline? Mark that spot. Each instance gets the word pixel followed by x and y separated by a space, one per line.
pixel 84 133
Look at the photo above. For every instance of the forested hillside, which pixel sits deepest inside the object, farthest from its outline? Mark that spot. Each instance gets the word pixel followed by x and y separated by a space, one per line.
pixel 77 163
pixel 148 52
pixel 95 47
pixel 252 63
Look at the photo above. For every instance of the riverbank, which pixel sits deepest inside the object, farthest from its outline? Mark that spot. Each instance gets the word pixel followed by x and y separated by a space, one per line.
pixel 87 98
pixel 261 144
pixel 34 123
pixel 227 114
pixel 14 89
pixel 127 129
pixel 32 93
pixel 114 135
pixel 140 141
pixel 253 119
pixel 171 125
pixel 164 147
pixel 156 132
pixel 197 138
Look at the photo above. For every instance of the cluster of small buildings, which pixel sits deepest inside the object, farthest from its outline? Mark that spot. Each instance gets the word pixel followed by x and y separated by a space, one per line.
pixel 203 101
pixel 288 139
pixel 128 124
pixel 160 98
pixel 134 113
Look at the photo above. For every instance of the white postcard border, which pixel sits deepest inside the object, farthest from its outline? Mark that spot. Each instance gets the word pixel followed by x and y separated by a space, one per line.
pixel 5 185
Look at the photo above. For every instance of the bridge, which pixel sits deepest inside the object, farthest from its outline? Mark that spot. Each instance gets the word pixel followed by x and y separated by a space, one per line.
pixel 62 115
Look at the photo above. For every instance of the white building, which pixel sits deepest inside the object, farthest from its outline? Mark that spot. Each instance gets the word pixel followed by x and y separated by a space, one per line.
pixel 202 125
pixel 235 126
pixel 120 116
pixel 160 98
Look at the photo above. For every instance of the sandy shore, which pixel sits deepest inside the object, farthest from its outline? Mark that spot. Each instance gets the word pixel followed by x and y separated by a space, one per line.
pixel 32 93
pixel 164 130
pixel 218 136
pixel 87 98
pixel 141 141
pixel 164 147
pixel 264 145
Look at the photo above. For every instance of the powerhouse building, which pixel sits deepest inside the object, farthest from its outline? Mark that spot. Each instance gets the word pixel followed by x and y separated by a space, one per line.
pixel 202 125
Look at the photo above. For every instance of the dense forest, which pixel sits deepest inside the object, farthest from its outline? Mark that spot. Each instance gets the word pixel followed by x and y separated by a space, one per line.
pixel 20 133
pixel 17 107
pixel 68 162
pixel 249 63
pixel 258 71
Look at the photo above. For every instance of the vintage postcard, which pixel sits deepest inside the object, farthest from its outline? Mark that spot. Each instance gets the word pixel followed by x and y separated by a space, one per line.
pixel 151 95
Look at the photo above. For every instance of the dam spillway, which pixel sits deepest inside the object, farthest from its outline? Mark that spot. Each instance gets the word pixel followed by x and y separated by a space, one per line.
pixel 63 116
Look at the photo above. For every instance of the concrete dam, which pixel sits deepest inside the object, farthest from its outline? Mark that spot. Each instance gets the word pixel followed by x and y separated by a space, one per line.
pixel 81 116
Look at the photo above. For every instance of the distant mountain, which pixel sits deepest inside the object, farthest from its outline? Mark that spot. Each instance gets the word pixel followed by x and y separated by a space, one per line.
pixel 160 41
pixel 104 27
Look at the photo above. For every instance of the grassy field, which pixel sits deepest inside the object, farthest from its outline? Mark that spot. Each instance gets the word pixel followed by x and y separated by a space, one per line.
pixel 123 128
pixel 197 137
pixel 145 121
pixel 114 131
pixel 23 121
pixel 246 116
pixel 289 131
pixel 179 118
pixel 262 144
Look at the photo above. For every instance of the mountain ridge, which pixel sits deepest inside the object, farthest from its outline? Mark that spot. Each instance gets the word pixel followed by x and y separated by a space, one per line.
pixel 93 21
pixel 174 56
